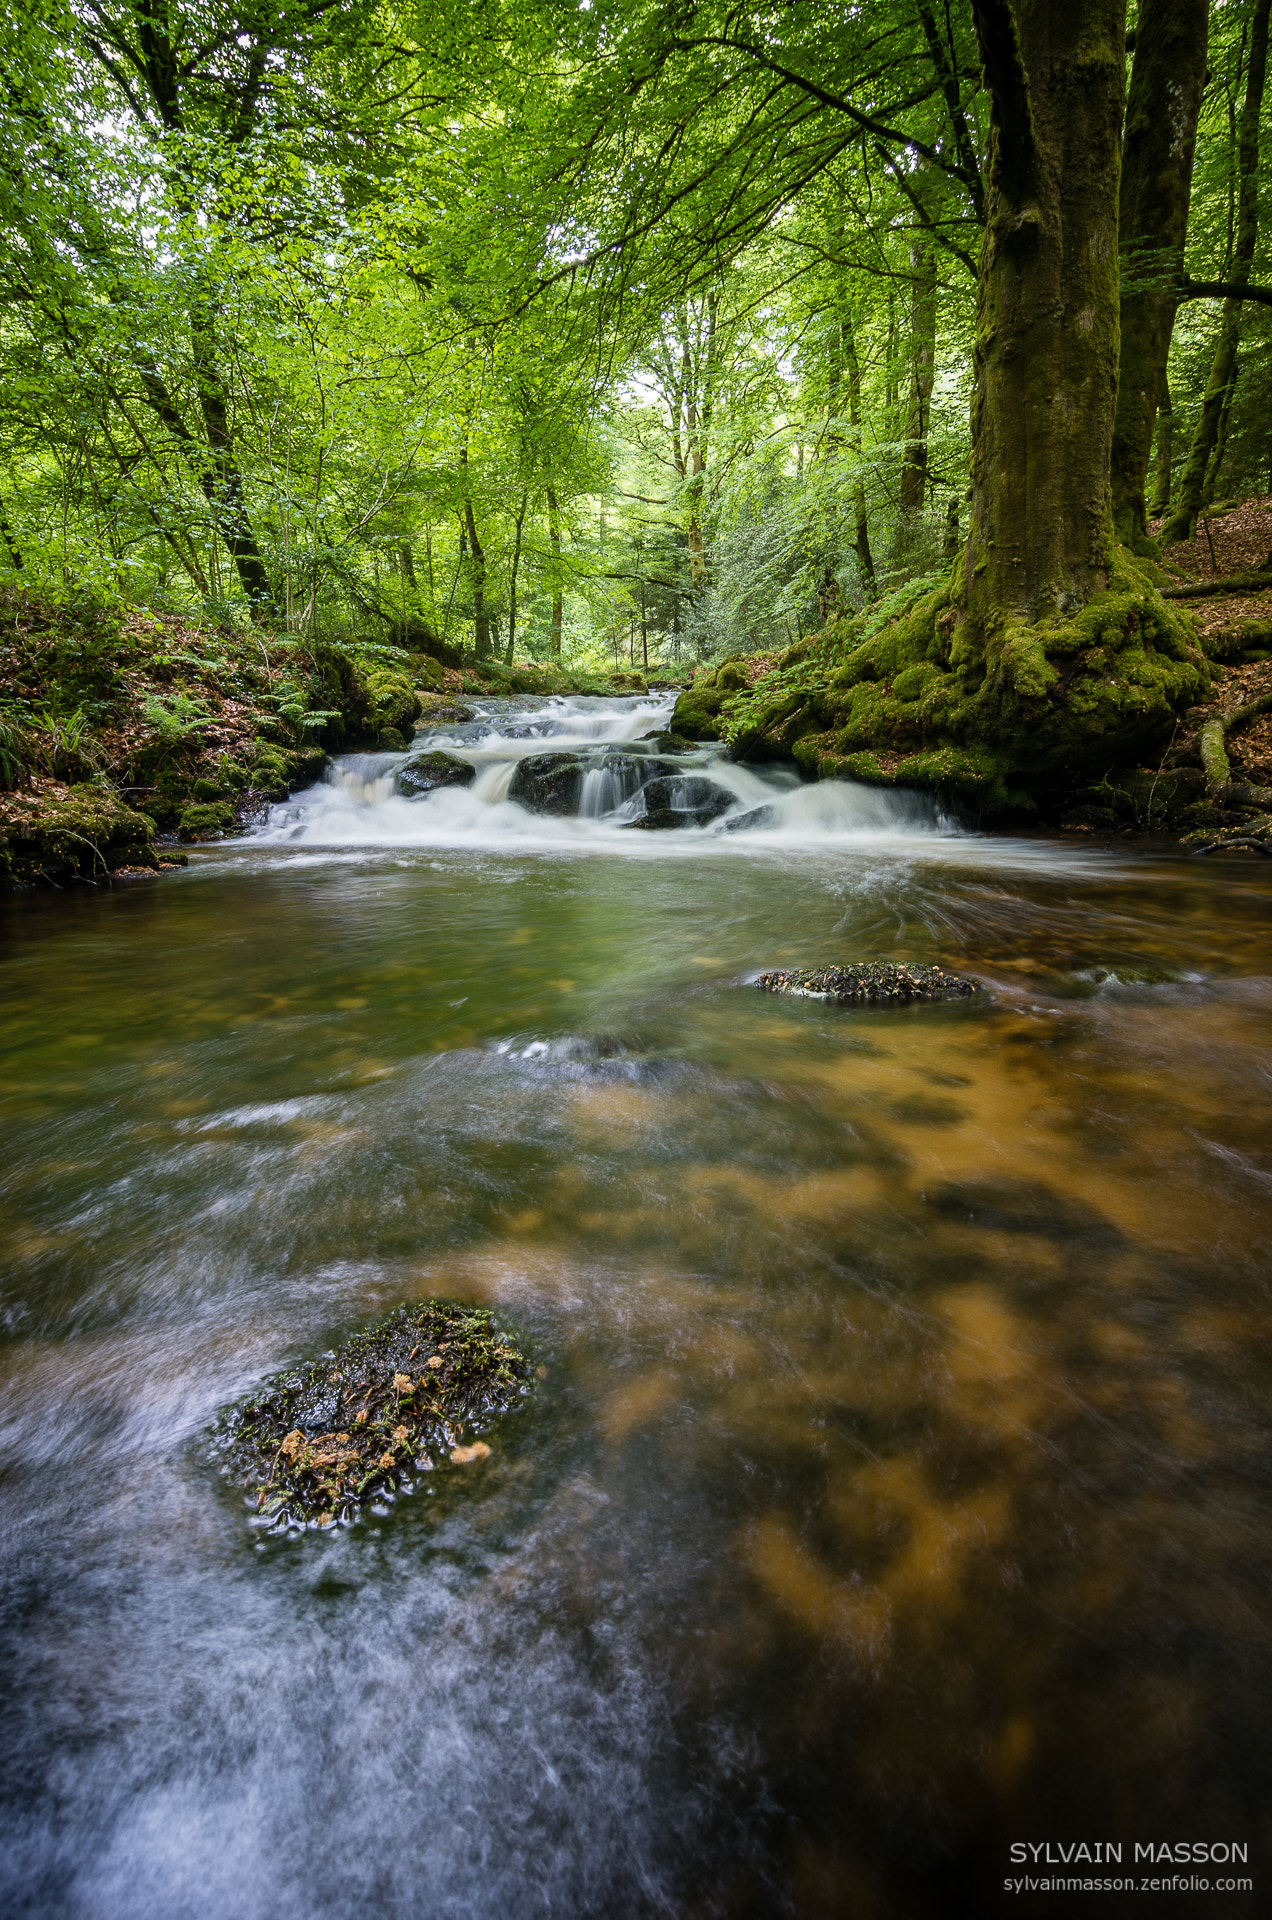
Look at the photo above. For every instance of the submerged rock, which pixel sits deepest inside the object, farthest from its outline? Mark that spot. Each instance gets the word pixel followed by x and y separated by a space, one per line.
pixel 879 982
pixel 427 771
pixel 318 1441
pixel 548 782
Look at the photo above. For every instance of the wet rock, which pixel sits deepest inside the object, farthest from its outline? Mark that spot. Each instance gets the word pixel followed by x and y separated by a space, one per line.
pixel 669 742
pixel 876 982
pixel 392 740
pixel 752 819
pixel 689 793
pixel 428 771
pixel 660 819
pixel 548 782
pixel 438 709
pixel 317 1442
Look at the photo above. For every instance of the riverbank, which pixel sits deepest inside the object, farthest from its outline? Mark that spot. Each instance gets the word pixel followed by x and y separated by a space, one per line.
pixel 1110 739
pixel 126 735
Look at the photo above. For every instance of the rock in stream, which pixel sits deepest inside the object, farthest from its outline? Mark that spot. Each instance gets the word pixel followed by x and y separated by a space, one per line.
pixel 317 1442
pixel 878 982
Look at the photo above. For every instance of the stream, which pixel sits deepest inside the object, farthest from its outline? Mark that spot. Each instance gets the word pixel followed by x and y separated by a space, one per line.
pixel 895 1487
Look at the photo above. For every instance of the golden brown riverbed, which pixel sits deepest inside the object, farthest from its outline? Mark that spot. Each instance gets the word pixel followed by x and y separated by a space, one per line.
pixel 897 1487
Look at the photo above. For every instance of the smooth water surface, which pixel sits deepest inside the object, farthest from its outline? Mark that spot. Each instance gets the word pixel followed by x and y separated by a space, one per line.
pixel 897 1485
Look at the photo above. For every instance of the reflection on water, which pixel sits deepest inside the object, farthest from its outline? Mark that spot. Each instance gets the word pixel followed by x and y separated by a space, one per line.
pixel 897 1487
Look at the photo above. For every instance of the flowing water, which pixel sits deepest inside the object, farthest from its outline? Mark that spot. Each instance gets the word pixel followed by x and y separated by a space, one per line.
pixel 896 1486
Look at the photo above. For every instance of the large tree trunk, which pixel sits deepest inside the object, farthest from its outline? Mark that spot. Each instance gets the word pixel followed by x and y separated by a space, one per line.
pixel 1047 319
pixel 1223 367
pixel 1157 156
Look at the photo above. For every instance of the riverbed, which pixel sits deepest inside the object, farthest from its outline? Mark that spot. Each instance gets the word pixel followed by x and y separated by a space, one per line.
pixel 895 1483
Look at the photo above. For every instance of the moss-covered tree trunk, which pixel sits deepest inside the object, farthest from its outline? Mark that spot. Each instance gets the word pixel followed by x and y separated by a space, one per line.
pixel 1168 77
pixel 1047 319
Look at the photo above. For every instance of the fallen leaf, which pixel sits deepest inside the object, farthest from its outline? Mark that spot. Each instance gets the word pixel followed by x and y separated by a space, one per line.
pixel 293 1443
pixel 464 1456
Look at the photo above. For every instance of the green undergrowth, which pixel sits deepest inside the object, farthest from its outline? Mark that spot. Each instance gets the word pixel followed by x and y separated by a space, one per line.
pixel 1002 719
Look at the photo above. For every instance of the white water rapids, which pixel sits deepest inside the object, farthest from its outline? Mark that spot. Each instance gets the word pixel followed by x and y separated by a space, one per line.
pixel 357 803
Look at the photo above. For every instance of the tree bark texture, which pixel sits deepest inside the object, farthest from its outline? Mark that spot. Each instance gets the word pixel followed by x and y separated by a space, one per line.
pixel 1192 483
pixel 1047 306
pixel 1168 77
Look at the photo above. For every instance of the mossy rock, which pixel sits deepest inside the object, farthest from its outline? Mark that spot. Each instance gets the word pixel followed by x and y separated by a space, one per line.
pixel 873 983
pixel 317 1442
pixel 205 820
pixel 392 701
pixel 426 772
pixel 442 708
pixel 88 832
pixel 697 712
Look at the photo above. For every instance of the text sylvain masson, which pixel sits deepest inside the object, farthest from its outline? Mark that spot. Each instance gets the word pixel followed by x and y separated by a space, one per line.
pixel 1098 1853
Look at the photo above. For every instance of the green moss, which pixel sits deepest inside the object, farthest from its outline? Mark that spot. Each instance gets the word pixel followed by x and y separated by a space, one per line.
pixel 391 701
pixel 998 714
pixel 205 820
pixel 88 832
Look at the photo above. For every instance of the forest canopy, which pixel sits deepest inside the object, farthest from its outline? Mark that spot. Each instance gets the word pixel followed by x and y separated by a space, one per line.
pixel 601 332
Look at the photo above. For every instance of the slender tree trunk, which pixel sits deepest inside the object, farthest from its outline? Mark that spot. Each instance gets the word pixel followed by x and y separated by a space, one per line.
pixel 922 373
pixel 512 585
pixel 1168 77
pixel 1047 308
pixel 476 569
pixel 1211 487
pixel 1223 366
pixel 852 366
pixel 554 541
pixel 1165 454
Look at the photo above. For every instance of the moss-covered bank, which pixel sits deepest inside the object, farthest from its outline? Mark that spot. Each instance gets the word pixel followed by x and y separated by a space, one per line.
pixel 1005 720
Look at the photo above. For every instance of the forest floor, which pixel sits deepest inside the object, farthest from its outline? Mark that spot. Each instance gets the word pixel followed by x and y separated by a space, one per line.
pixel 1235 628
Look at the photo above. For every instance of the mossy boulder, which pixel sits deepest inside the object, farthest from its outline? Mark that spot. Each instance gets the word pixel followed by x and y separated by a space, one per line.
pixel 85 831
pixel 996 718
pixel 319 1441
pixel 425 772
pixel 698 711
pixel 392 701
pixel 205 820
pixel 548 782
